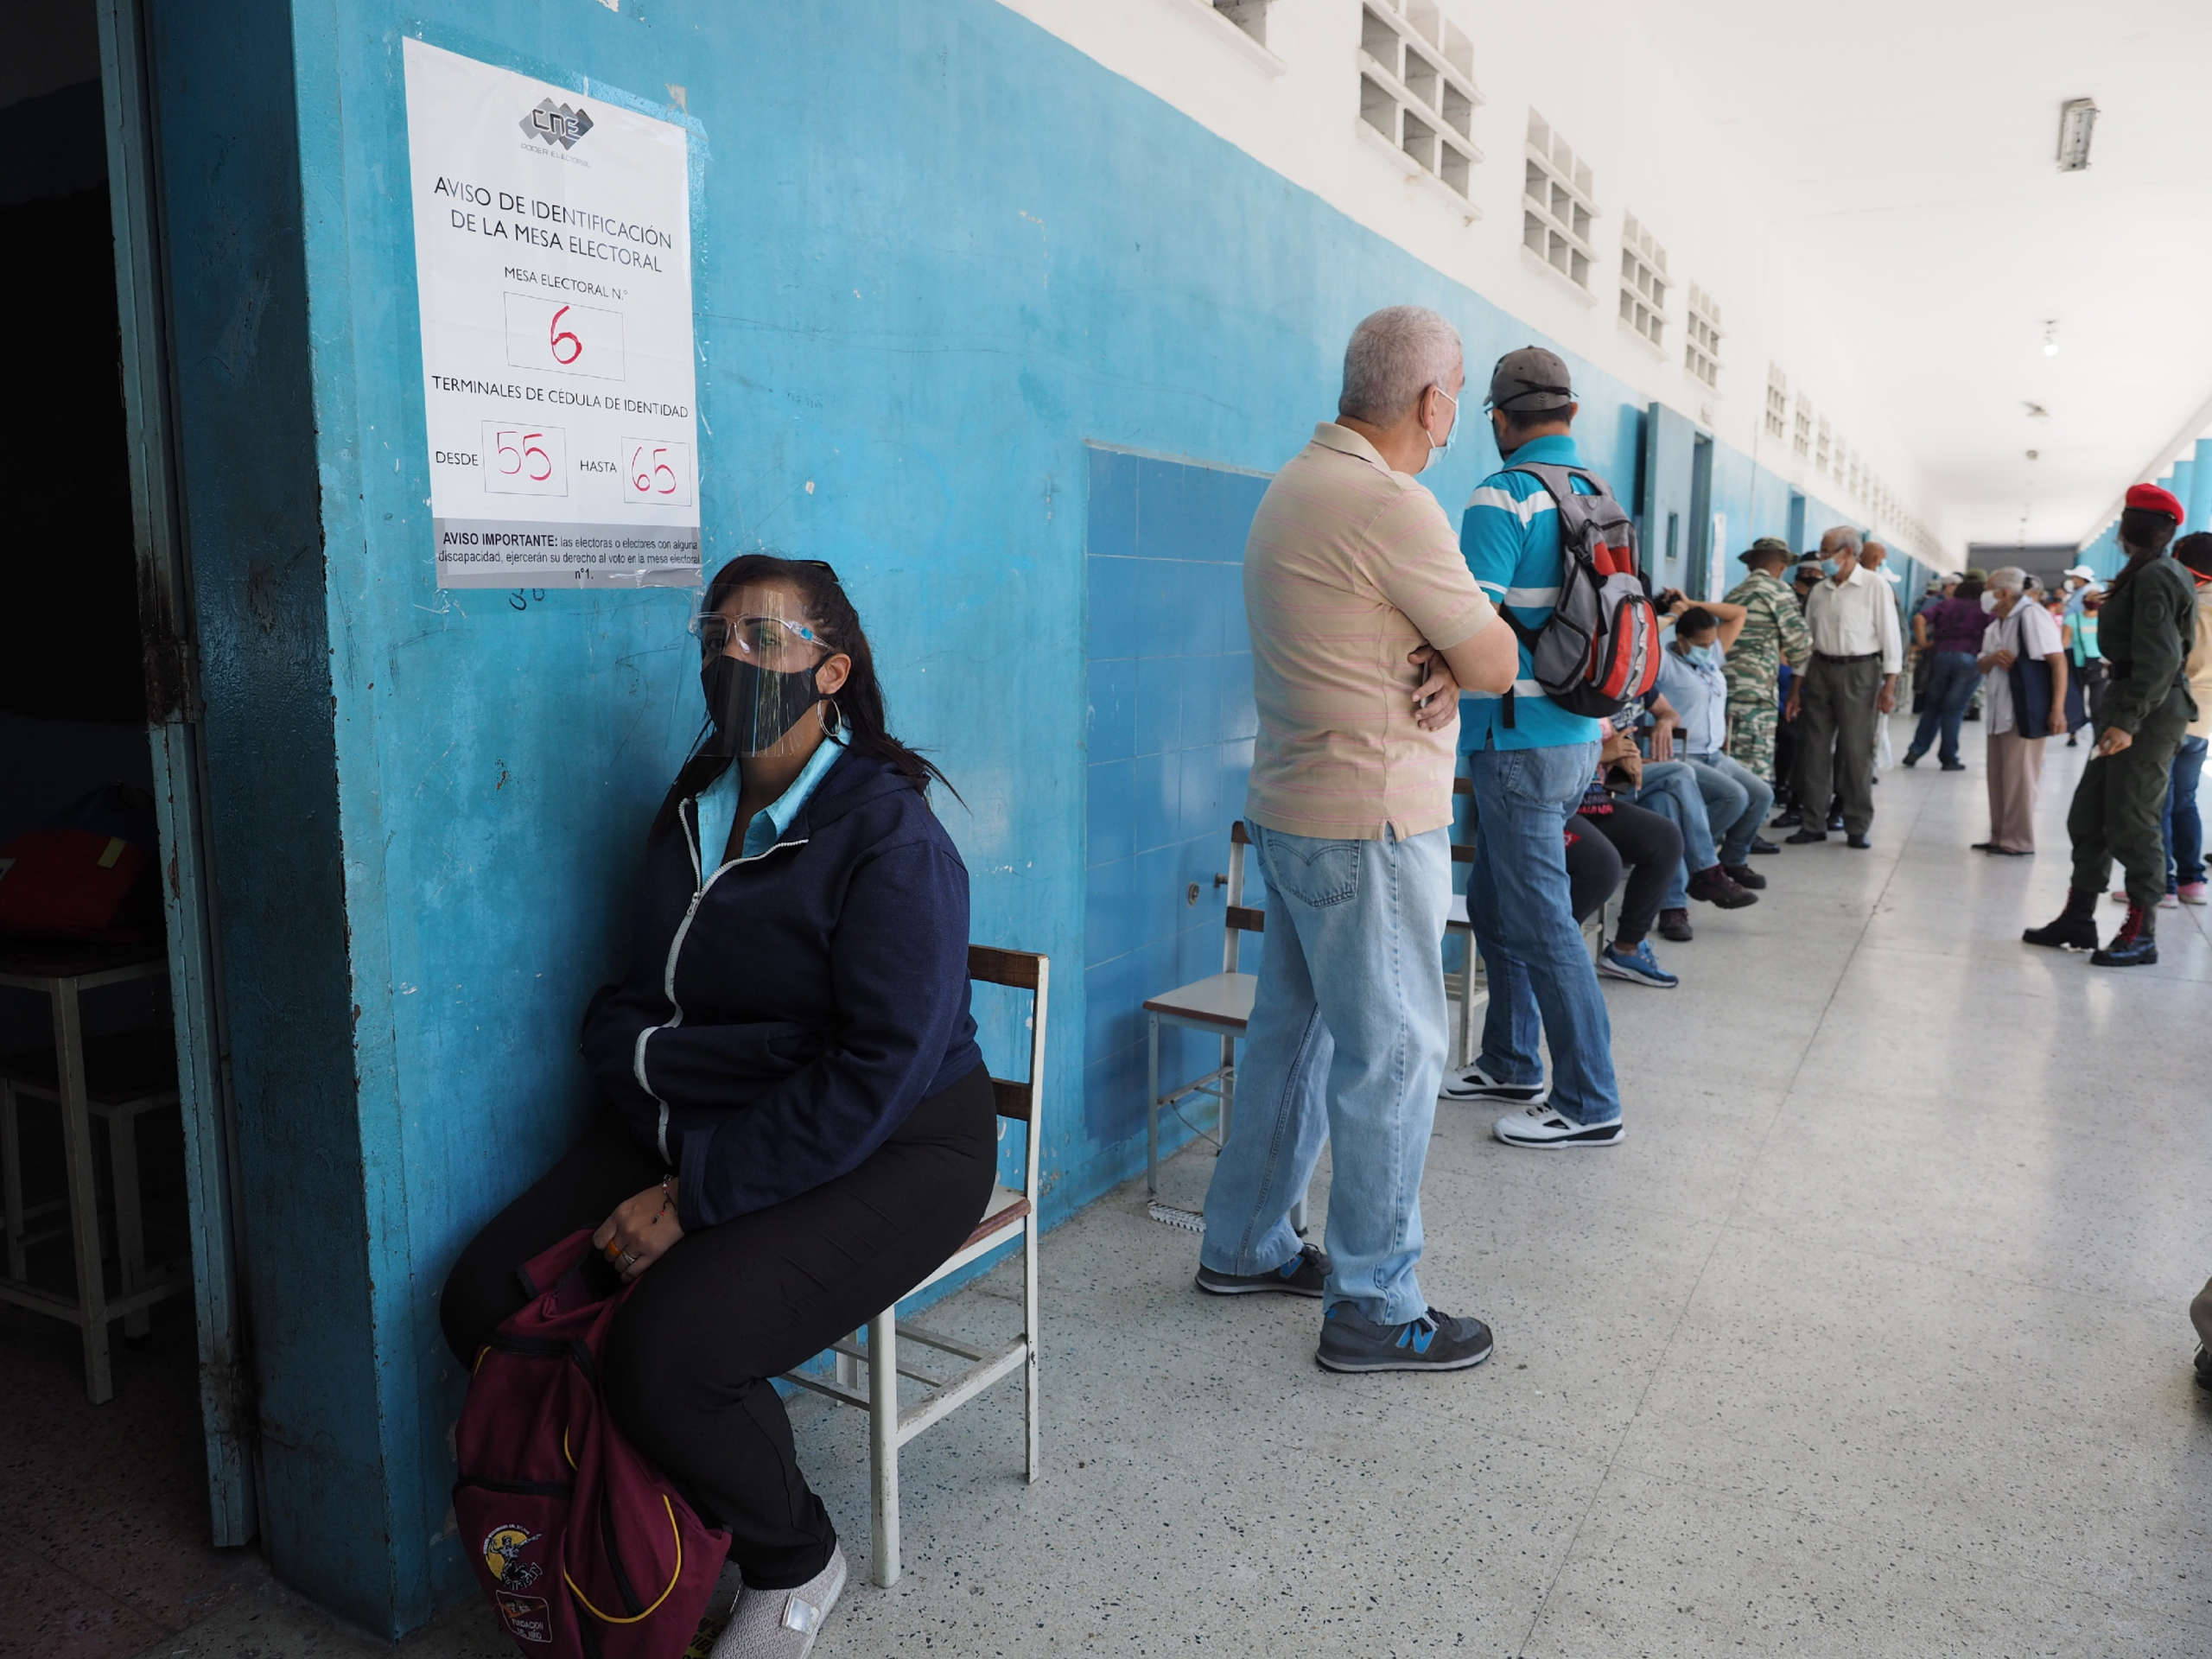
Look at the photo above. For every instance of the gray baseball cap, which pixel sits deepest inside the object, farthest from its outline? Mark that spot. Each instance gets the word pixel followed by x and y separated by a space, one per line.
pixel 1530 378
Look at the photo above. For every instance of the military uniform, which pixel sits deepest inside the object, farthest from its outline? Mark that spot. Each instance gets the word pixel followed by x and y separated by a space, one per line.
pixel 2146 630
pixel 1774 632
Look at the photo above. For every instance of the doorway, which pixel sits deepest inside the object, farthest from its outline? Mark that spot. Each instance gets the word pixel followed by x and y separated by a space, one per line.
pixel 119 1341
pixel 1700 582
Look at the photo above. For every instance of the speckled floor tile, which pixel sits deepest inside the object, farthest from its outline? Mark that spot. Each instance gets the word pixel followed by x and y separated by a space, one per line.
pixel 55 1614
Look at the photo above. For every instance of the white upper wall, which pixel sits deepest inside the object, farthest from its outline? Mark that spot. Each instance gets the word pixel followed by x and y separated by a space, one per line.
pixel 1617 97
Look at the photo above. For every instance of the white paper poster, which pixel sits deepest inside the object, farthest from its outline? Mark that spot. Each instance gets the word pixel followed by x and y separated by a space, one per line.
pixel 553 264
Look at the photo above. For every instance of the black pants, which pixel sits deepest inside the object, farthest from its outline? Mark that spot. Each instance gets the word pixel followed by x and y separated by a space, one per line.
pixel 1646 843
pixel 688 1360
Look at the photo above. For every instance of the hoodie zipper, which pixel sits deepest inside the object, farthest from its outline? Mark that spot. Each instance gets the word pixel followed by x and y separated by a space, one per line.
pixel 674 949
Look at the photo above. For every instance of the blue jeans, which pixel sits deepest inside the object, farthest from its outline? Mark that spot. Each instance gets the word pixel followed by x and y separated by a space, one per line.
pixel 1736 803
pixel 1670 789
pixel 1346 1041
pixel 2185 828
pixel 1951 677
pixel 1541 977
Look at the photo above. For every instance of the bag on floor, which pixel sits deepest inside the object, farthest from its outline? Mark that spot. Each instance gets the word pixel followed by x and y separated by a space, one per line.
pixel 585 1550
pixel 1599 650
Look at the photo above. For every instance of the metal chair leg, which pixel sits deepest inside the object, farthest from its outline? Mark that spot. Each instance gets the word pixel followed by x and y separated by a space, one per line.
pixel 1152 1109
pixel 1029 1336
pixel 883 1441
pixel 130 1218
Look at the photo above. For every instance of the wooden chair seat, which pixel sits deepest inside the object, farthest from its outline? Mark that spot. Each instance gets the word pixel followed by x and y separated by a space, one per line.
pixel 1218 1000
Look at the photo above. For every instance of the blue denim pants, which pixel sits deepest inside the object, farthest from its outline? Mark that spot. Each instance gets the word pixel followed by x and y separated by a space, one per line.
pixel 1346 1041
pixel 1541 982
pixel 1670 789
pixel 1951 677
pixel 2183 825
pixel 1736 803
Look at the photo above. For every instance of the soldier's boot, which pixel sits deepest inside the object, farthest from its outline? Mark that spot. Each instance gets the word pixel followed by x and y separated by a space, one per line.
pixel 2076 928
pixel 2135 945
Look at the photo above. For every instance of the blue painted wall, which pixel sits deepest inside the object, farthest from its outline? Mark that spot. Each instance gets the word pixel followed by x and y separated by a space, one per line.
pixel 1169 730
pixel 942 254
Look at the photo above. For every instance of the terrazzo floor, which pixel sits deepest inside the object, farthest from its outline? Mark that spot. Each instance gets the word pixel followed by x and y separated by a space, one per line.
pixel 1871 1339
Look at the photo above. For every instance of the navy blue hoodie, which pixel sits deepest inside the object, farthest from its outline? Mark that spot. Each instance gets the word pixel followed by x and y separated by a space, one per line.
pixel 782 1015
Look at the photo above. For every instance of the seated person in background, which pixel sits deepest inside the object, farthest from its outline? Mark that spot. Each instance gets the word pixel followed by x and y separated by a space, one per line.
pixel 1607 833
pixel 1692 682
pixel 1670 787
pixel 795 1127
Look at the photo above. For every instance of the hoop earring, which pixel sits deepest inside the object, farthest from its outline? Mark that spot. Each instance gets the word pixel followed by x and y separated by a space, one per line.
pixel 838 730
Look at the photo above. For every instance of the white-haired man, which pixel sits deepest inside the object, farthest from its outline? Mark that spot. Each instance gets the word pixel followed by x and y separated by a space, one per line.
pixel 1858 650
pixel 1365 625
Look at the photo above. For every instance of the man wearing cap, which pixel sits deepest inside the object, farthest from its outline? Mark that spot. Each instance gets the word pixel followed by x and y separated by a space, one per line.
pixel 2080 582
pixel 2146 629
pixel 1773 633
pixel 1530 762
pixel 1849 684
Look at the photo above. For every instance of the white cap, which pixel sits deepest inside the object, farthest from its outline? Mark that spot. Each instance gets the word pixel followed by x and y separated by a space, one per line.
pixel 2082 571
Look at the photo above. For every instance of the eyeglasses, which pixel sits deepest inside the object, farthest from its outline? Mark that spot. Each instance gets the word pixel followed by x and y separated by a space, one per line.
pixel 763 638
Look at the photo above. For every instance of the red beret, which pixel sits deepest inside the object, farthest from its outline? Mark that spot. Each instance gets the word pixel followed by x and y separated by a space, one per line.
pixel 2151 499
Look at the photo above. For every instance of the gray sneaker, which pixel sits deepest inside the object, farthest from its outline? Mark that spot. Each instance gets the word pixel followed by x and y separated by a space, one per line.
pixel 1434 1342
pixel 1306 1274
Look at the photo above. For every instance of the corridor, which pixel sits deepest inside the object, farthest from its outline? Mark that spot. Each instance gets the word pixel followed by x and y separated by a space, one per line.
pixel 1872 1339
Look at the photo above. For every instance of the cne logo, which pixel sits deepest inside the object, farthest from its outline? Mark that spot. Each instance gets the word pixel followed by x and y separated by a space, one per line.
pixel 555 124
pixel 503 1549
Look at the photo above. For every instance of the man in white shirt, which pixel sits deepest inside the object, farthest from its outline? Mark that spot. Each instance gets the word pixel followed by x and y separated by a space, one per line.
pixel 1851 683
pixel 2019 631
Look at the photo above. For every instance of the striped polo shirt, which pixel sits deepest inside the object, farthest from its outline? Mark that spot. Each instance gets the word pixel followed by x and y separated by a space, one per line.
pixel 1510 537
pixel 1349 569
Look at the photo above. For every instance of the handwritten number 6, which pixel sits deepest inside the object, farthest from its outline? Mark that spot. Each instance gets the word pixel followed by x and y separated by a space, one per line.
pixel 559 336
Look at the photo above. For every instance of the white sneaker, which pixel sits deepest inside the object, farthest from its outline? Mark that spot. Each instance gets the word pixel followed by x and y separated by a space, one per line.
pixel 2169 901
pixel 1474 1083
pixel 1539 1126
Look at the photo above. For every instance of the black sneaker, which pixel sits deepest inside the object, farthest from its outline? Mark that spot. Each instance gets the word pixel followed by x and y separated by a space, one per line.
pixel 1434 1342
pixel 1304 1274
pixel 1472 1083
pixel 2203 1368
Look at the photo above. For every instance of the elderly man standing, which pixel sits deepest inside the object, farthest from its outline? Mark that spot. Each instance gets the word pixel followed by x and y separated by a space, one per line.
pixel 1858 650
pixel 1773 633
pixel 1365 623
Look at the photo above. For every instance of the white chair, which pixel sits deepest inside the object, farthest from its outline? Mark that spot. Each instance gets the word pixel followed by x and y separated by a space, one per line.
pixel 1219 1005
pixel 1008 1217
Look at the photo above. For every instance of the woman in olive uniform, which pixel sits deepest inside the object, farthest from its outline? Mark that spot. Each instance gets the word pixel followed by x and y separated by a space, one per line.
pixel 2147 625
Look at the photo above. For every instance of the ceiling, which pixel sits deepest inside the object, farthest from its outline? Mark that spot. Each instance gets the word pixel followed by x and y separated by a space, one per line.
pixel 1909 148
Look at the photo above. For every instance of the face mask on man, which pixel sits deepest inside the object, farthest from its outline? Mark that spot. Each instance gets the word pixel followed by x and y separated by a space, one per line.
pixel 1988 600
pixel 1434 447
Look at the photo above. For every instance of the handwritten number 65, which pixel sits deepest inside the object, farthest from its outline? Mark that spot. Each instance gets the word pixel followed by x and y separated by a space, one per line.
pixel 565 346
pixel 646 479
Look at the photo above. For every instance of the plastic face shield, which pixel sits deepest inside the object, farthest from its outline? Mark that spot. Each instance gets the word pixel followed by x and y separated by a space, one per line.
pixel 757 669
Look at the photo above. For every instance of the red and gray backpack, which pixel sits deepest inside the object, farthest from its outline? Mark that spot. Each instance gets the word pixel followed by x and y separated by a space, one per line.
pixel 1600 649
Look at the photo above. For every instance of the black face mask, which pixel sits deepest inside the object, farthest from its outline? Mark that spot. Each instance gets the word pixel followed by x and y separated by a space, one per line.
pixel 749 704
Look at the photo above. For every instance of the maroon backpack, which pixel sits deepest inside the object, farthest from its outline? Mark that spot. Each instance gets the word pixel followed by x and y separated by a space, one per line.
pixel 585 1550
pixel 1600 648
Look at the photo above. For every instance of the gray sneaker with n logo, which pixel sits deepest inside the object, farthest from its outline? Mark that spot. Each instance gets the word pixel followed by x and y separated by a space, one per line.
pixel 1433 1342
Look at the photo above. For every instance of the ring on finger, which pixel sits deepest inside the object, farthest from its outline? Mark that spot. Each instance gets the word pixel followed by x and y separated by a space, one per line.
pixel 627 1260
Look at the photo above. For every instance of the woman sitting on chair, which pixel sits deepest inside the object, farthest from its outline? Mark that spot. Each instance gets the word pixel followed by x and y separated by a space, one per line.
pixel 795 1126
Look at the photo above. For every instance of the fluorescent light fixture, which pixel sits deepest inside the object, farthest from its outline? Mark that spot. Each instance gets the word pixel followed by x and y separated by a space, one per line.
pixel 2076 118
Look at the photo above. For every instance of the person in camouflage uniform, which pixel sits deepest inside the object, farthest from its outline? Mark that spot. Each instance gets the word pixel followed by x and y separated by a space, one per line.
pixel 1774 634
